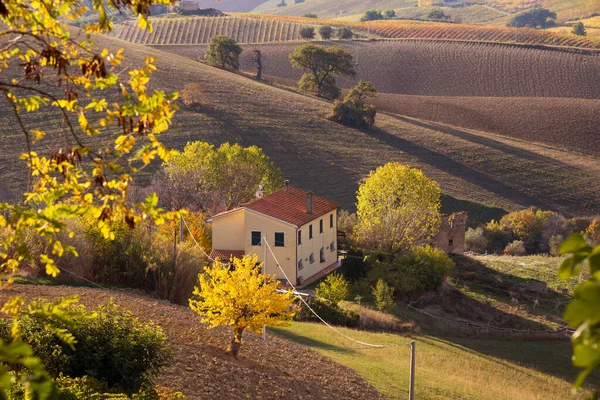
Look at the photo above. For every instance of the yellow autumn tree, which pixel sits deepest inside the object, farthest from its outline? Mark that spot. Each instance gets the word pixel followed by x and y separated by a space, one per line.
pixel 242 297
pixel 397 207
pixel 88 124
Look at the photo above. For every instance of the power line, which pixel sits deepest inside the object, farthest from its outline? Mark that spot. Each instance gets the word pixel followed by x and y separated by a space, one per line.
pixel 321 319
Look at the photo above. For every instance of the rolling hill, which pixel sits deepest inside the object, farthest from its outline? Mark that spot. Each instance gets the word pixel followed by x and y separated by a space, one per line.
pixel 260 28
pixel 317 154
pixel 537 95
pixel 479 11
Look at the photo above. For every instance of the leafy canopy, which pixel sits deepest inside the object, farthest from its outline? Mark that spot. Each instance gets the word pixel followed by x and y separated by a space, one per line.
pixel 101 144
pixel 354 110
pixel 224 52
pixel 207 179
pixel 583 312
pixel 240 296
pixel 579 29
pixel 536 18
pixel 397 207
pixel 323 65
pixel 333 289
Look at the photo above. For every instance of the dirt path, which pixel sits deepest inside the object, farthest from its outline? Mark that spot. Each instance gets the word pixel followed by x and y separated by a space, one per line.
pixel 200 368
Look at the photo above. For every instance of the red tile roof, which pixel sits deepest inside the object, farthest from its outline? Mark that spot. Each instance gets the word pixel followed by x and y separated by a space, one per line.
pixel 225 255
pixel 290 206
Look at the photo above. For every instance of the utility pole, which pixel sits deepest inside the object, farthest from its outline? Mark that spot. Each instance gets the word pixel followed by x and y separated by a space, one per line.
pixel 264 272
pixel 413 351
pixel 180 228
pixel 175 247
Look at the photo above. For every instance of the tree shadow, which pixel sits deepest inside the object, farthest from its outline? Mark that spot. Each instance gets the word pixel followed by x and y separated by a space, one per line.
pixel 306 341
pixel 454 168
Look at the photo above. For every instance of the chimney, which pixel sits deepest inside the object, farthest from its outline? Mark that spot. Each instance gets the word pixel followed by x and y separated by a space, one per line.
pixel 309 202
pixel 287 185
pixel 259 192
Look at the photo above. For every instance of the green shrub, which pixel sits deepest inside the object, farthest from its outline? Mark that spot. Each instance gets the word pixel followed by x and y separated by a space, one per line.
pixel 112 347
pixel 516 248
pixel 389 13
pixel 372 15
pixel 120 261
pixel 354 111
pixel 307 32
pixel 384 296
pixel 333 289
pixel 330 313
pixel 326 31
pixel 345 33
pixel 554 244
pixel 354 266
pixel 475 240
pixel 424 269
pixel 498 236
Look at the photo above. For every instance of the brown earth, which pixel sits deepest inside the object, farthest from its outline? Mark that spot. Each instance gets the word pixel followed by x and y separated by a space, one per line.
pixel 320 155
pixel 541 96
pixel 200 368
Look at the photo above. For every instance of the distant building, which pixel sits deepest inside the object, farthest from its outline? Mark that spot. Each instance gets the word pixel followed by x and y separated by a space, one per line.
pixel 300 227
pixel 451 237
pixel 188 5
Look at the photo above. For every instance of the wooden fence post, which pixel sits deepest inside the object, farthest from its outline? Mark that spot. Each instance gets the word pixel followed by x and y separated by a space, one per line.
pixel 413 351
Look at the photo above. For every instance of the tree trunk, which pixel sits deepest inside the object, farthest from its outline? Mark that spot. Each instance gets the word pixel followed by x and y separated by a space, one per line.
pixel 236 342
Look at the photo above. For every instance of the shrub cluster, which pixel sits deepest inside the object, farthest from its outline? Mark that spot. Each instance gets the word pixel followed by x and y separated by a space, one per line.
pixel 113 350
pixel 331 313
pixel 354 111
pixel 141 257
pixel 378 277
pixel 532 230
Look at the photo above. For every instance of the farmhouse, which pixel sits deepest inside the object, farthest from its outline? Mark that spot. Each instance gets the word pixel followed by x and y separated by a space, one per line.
pixel 300 228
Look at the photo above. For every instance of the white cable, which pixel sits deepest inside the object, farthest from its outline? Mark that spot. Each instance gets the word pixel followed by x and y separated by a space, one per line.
pixel 321 319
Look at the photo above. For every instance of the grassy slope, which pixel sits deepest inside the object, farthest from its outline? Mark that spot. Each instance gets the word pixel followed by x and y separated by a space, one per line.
pixel 332 9
pixel 323 156
pixel 449 368
pixel 453 367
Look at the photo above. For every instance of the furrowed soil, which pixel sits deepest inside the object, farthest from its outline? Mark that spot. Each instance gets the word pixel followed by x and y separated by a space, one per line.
pixel 551 97
pixel 318 154
pixel 201 369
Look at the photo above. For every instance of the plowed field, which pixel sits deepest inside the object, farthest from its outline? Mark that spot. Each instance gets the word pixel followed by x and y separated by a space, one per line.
pixel 200 368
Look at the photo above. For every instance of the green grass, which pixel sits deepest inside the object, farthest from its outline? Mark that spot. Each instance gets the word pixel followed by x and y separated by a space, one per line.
pixel 446 368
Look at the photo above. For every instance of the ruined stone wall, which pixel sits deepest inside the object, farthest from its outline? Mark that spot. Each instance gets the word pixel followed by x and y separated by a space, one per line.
pixel 451 237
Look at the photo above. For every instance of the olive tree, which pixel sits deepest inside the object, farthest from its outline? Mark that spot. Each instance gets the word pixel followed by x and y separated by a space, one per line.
pixel 397 207
pixel 224 52
pixel 323 65
pixel 354 111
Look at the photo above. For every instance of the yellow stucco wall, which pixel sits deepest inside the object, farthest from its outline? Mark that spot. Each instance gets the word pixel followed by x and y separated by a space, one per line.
pixel 314 245
pixel 228 231
pixel 286 255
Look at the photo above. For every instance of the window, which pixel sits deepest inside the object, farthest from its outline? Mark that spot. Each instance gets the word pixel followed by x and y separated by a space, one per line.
pixel 256 239
pixel 311 258
pixel 299 237
pixel 332 247
pixel 451 242
pixel 310 231
pixel 279 239
pixel 322 255
pixel 321 226
pixel 331 221
pixel 300 265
